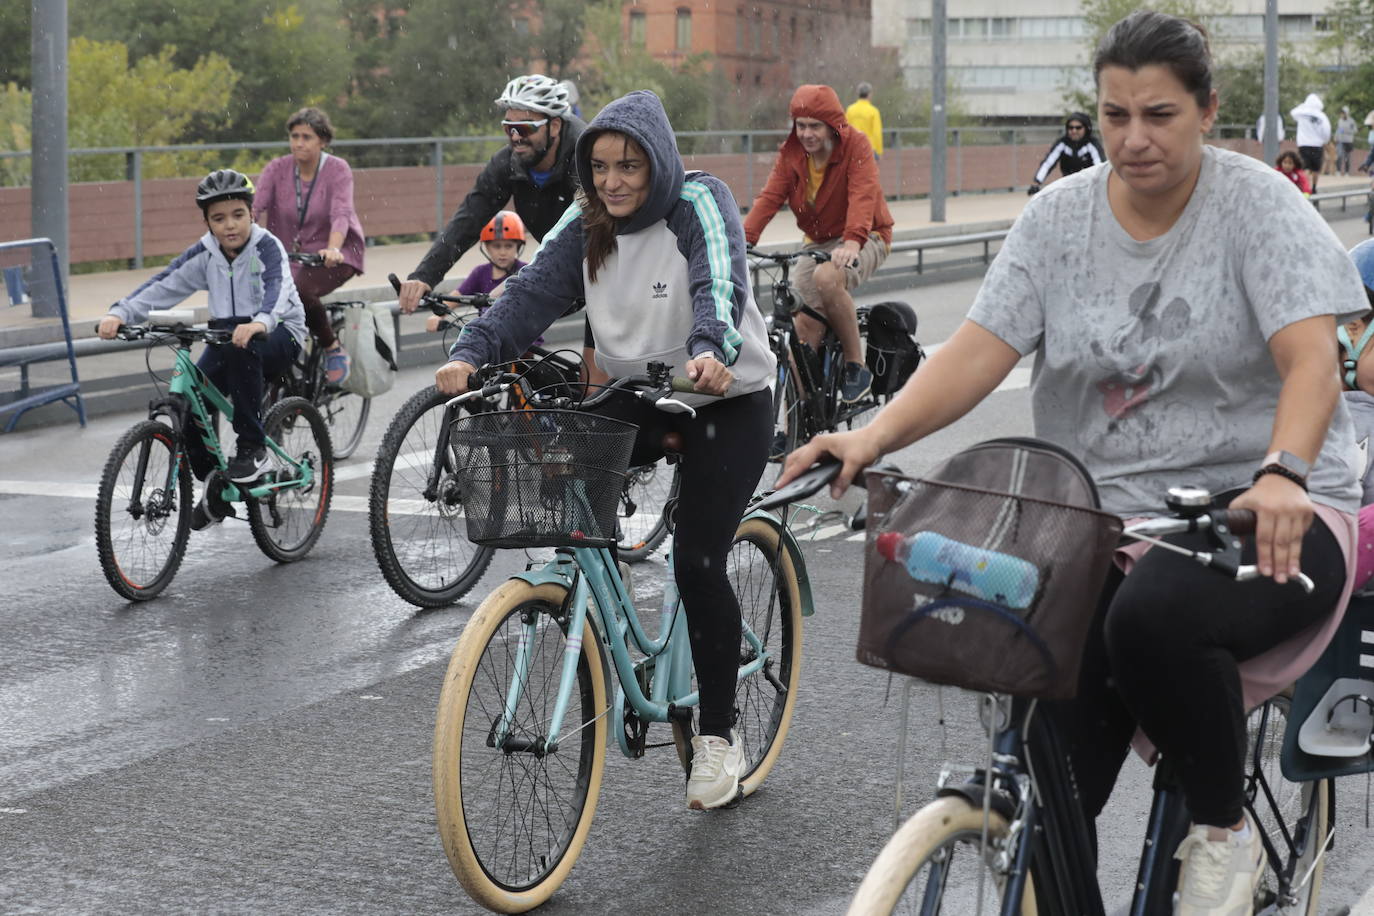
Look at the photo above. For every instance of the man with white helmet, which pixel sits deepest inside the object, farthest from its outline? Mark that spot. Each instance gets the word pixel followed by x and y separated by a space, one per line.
pixel 535 168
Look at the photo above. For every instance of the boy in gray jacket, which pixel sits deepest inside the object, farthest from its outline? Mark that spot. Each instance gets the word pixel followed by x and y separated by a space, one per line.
pixel 244 269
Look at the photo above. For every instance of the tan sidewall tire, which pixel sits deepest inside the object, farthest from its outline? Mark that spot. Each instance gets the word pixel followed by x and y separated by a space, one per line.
pixel 911 846
pixel 768 536
pixel 1323 788
pixel 448 731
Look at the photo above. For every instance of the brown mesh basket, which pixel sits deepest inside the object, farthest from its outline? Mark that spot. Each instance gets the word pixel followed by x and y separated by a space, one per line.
pixel 541 478
pixel 980 589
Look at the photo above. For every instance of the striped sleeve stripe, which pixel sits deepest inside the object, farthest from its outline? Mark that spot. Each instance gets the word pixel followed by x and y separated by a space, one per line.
pixel 269 255
pixel 718 258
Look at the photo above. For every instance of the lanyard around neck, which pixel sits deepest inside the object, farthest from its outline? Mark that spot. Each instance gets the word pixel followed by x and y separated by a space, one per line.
pixel 303 204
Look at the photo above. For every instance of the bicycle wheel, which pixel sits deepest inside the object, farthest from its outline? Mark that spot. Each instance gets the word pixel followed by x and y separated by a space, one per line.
pixel 420 540
pixel 765 581
pixel 1285 809
pixel 641 521
pixel 141 526
pixel 790 414
pixel 288 522
pixel 514 817
pixel 345 413
pixel 932 864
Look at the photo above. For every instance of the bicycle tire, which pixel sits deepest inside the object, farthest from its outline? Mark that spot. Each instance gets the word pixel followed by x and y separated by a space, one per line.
pixel 428 559
pixel 345 413
pixel 122 537
pixel 897 881
pixel 791 413
pixel 765 581
pixel 1296 800
pixel 472 776
pixel 287 523
pixel 649 489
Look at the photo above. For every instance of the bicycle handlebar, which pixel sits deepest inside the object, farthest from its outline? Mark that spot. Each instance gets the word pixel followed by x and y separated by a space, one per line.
pixel 787 257
pixel 303 257
pixel 656 388
pixel 442 305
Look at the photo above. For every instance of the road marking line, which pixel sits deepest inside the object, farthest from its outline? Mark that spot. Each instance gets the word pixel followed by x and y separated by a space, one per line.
pixel 48 488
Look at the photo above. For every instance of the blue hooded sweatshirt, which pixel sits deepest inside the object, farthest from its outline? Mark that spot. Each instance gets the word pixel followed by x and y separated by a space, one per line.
pixel 676 286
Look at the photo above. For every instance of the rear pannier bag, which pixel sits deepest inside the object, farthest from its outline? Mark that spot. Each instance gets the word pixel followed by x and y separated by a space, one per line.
pixel 985 574
pixel 892 352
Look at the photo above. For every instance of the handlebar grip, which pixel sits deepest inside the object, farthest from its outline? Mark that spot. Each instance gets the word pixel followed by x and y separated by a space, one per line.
pixel 395 282
pixel 1241 522
pixel 683 385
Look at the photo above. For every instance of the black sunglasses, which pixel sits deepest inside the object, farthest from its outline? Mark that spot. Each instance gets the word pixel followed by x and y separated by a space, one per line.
pixel 523 128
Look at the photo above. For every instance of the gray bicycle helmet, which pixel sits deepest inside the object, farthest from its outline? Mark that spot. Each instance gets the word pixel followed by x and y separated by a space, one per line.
pixel 535 92
pixel 224 184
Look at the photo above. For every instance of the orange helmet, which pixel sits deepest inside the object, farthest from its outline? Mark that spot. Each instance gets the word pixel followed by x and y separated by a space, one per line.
pixel 505 226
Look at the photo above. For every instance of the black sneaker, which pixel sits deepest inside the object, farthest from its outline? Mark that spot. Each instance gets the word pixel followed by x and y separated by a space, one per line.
pixel 248 466
pixel 778 450
pixel 855 383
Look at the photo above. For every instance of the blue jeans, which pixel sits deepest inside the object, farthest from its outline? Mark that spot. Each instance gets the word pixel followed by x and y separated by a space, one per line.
pixel 238 372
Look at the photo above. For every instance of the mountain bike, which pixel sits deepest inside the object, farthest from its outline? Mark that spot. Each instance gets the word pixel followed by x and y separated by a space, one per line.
pixel 807 391
pixel 344 412
pixel 1010 836
pixel 143 505
pixel 415 510
pixel 524 714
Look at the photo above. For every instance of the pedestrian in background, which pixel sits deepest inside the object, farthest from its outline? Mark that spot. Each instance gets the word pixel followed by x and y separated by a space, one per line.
pixel 864 116
pixel 1313 131
pixel 1345 140
pixel 1369 158
pixel 1259 128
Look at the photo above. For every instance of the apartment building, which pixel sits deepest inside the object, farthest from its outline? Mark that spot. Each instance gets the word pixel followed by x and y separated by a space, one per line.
pixel 1015 60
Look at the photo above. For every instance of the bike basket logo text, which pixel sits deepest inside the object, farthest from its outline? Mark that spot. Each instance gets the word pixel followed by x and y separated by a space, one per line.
pixel 660 291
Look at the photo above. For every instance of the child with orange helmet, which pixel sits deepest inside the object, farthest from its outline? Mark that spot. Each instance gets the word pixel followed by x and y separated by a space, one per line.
pixel 502 239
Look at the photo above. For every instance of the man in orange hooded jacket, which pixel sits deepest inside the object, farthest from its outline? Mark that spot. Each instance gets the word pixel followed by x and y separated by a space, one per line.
pixel 825 172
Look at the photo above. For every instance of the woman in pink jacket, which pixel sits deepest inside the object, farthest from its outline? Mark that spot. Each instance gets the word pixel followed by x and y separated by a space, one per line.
pixel 307 199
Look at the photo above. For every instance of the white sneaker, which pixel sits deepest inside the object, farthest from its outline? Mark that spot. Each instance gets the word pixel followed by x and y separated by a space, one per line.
pixel 1218 877
pixel 716 768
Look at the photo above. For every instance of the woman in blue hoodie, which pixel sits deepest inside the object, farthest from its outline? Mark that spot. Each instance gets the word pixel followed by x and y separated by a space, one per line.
pixel 659 256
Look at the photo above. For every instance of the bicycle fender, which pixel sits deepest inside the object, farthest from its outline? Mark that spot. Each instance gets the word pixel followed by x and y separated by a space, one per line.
pixel 545 575
pixel 793 548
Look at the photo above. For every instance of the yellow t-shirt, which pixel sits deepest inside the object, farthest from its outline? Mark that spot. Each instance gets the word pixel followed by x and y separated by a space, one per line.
pixel 863 115
pixel 814 177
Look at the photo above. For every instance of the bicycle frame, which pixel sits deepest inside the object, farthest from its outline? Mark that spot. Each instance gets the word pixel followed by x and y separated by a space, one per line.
pixel 1031 770
pixel 187 392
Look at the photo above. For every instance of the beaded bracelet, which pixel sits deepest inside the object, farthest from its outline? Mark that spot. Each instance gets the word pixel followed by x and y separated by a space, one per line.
pixel 1282 472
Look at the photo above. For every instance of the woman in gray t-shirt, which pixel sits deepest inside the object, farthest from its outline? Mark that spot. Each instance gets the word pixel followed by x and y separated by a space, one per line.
pixel 1179 335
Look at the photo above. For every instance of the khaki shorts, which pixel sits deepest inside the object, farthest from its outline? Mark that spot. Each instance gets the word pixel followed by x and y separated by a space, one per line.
pixel 871 257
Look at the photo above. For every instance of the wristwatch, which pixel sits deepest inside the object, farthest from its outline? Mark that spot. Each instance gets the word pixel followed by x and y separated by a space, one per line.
pixel 1284 464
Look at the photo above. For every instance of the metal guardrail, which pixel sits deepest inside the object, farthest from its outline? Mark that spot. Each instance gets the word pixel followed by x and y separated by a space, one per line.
pixel 35 353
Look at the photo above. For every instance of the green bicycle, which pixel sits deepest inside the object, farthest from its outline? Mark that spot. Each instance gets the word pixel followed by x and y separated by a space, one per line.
pixel 526 711
pixel 143 507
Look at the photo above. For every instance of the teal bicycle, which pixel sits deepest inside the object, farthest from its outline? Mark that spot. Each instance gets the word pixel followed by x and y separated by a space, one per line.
pixel 143 507
pixel 527 705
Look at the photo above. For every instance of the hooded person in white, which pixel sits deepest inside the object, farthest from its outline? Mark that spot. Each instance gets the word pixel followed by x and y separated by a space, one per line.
pixel 1314 128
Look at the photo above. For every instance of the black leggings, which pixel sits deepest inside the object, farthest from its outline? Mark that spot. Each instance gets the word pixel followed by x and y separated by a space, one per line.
pixel 1162 654
pixel 725 449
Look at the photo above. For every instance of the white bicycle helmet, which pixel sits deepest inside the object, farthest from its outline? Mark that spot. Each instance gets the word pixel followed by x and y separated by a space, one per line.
pixel 535 92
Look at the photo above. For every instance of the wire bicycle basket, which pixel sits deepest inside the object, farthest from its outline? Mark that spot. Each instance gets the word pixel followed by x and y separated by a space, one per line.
pixel 541 478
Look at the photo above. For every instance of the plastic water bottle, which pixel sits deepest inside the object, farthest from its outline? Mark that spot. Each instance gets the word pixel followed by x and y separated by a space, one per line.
pixel 987 574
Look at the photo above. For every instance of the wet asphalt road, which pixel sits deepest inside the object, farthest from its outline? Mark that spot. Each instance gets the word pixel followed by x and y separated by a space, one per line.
pixel 258 739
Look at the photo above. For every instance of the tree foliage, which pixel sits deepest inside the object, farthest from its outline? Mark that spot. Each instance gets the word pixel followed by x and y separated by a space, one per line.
pixel 286 54
pixel 559 40
pixel 1239 80
pixel 16 42
pixel 1350 43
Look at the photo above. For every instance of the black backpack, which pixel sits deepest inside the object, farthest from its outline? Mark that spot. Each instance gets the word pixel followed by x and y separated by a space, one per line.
pixel 893 353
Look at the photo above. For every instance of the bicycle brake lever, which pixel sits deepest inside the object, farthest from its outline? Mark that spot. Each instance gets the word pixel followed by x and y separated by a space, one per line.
pixel 1246 573
pixel 676 406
